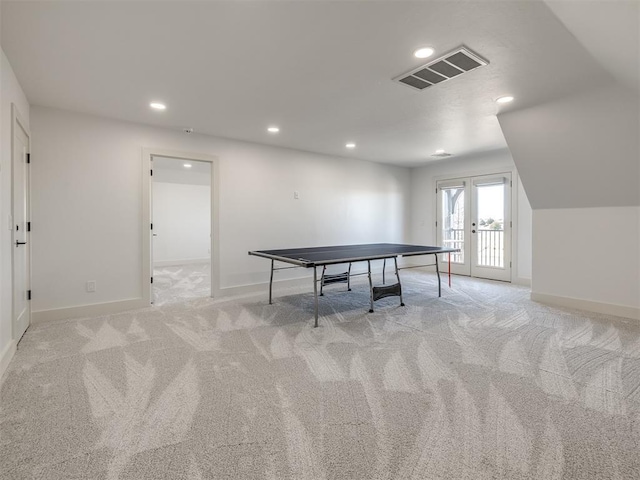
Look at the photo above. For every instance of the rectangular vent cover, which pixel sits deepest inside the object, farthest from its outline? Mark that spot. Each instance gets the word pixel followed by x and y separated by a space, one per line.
pixel 450 65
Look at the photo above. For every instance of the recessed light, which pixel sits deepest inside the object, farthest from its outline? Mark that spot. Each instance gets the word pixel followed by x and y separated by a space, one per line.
pixel 505 99
pixel 158 106
pixel 273 129
pixel 423 52
pixel 440 150
pixel 350 145
pixel 187 165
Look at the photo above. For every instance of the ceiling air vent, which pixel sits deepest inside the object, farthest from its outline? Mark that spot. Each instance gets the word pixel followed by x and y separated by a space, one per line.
pixel 441 155
pixel 454 63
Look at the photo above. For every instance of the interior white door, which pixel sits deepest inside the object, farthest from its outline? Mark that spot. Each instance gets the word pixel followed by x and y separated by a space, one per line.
pixel 21 248
pixel 474 215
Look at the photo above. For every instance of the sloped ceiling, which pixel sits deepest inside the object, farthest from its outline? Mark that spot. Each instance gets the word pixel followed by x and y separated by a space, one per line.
pixel 579 151
pixel 609 31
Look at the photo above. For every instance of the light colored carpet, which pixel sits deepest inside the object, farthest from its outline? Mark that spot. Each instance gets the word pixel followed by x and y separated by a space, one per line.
pixel 183 282
pixel 480 384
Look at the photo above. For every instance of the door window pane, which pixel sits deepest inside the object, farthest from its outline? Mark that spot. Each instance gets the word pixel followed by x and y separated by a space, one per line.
pixel 453 221
pixel 490 228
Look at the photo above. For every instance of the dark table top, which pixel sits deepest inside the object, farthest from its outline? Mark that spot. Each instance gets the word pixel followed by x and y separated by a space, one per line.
pixel 313 256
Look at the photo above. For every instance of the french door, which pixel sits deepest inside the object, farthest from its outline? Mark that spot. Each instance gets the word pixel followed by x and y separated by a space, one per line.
pixel 474 215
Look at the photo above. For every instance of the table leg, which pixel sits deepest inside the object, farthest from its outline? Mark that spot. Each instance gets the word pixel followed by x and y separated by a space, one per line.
pixel 349 278
pixel 315 293
pixel 384 267
pixel 395 260
pixel 271 283
pixel 438 272
pixel 449 269
pixel 324 268
pixel 370 287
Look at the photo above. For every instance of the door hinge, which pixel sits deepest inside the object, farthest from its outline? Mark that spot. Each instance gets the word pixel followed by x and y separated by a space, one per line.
pixel 28 226
pixel 152 226
pixel 511 183
pixel 28 294
pixel 151 279
pixel 511 224
pixel 510 264
pixel 28 158
pixel 436 223
pixel 151 172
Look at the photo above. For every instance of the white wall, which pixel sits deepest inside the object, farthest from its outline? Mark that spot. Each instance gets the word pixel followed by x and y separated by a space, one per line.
pixel 588 257
pixel 87 204
pixel 10 93
pixel 182 223
pixel 423 203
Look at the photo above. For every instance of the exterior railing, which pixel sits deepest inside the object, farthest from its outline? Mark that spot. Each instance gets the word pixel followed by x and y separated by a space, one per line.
pixel 490 246
pixel 454 238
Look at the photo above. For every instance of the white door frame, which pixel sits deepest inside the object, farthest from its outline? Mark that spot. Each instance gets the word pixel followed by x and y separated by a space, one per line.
pixel 147 238
pixel 513 206
pixel 17 121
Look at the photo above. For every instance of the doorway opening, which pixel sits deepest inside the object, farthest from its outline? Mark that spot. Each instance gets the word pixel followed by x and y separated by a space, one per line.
pixel 181 241
pixel 474 215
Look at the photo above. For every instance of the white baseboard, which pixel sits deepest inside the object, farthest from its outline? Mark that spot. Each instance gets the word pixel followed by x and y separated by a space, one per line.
pixel 588 305
pixel 174 263
pixel 5 357
pixel 81 311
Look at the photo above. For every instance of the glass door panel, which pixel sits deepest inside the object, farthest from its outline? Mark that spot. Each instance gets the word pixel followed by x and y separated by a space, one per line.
pixel 490 218
pixel 453 222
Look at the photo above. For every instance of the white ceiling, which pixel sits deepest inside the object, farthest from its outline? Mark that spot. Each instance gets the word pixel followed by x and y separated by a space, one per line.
pixel 320 70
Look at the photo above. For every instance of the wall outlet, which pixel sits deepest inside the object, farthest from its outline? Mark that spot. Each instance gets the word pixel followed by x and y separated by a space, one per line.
pixel 91 286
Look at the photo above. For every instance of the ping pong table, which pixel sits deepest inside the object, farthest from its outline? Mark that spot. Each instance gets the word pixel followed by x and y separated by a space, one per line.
pixel 315 257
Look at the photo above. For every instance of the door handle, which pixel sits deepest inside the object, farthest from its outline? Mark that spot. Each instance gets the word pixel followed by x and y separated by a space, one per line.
pixel 473 231
pixel 20 243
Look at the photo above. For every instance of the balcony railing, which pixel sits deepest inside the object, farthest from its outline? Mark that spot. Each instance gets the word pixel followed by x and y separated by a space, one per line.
pixel 454 238
pixel 490 246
